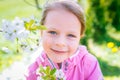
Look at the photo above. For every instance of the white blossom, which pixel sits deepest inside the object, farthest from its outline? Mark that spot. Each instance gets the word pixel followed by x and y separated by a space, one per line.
pixel 18 22
pixel 5 49
pixel 6 26
pixel 14 29
pixel 6 29
pixel 60 74
pixel 28 19
pixel 23 34
pixel 30 48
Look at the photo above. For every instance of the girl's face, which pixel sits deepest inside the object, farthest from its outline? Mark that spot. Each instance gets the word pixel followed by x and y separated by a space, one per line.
pixel 61 39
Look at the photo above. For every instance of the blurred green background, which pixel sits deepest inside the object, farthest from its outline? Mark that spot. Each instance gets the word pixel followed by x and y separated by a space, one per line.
pixel 102 31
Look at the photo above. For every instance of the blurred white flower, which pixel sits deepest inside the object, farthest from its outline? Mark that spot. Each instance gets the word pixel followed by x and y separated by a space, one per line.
pixel 14 29
pixel 23 34
pixel 30 48
pixel 5 49
pixel 28 43
pixel 18 22
pixel 6 26
pixel 60 74
pixel 9 36
pixel 14 72
pixel 28 19
pixel 6 29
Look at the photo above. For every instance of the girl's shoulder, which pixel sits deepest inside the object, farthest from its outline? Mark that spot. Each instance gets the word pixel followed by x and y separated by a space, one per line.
pixel 85 55
pixel 82 57
pixel 89 64
pixel 86 64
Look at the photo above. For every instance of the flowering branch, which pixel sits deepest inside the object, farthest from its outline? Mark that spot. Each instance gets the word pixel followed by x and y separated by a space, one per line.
pixel 22 32
pixel 46 73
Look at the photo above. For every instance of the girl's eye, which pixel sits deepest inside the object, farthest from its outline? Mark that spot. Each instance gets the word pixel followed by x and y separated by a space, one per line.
pixel 71 35
pixel 52 32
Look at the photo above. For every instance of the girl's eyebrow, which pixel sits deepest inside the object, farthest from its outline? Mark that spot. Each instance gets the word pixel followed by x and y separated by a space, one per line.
pixel 74 33
pixel 52 28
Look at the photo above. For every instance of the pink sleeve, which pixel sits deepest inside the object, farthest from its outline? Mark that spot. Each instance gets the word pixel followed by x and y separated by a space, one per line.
pixel 32 72
pixel 92 68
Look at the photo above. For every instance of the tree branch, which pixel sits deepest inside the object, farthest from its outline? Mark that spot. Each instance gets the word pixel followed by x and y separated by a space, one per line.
pixel 37 5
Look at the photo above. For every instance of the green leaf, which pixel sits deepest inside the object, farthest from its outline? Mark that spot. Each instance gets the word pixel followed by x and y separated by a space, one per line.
pixel 31 22
pixel 41 27
pixel 53 78
pixel 48 73
pixel 52 71
pixel 48 70
pixel 42 70
pixel 31 26
pixel 26 24
pixel 45 77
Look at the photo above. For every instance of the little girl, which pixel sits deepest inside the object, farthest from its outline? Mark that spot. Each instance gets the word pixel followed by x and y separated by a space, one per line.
pixel 65 22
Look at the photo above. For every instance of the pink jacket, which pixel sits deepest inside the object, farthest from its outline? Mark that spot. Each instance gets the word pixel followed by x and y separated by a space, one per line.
pixel 81 66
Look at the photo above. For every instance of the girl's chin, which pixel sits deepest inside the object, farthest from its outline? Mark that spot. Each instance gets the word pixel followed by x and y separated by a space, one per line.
pixel 57 59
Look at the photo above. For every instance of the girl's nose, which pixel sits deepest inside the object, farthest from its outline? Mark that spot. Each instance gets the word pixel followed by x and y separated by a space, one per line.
pixel 60 42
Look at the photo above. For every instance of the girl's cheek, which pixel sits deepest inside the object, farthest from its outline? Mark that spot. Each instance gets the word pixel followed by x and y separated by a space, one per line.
pixel 73 44
pixel 49 39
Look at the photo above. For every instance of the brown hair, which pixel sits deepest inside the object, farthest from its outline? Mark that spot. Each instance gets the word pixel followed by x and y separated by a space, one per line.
pixel 70 6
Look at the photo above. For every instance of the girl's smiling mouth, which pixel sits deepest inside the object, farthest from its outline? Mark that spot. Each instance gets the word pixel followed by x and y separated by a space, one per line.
pixel 59 51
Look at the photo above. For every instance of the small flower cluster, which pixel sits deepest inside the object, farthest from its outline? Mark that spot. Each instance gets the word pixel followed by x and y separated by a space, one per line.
pixel 112 46
pixel 25 32
pixel 15 29
pixel 46 73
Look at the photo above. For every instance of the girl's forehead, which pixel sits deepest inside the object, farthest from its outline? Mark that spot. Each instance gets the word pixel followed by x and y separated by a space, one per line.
pixel 61 16
pixel 62 19
pixel 59 10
